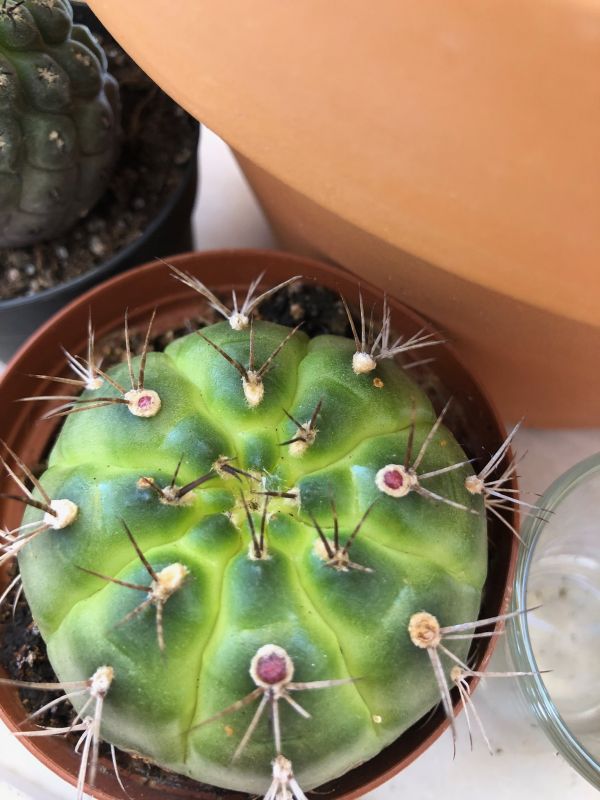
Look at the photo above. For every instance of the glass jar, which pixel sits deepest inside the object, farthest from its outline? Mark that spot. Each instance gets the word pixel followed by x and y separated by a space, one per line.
pixel 558 578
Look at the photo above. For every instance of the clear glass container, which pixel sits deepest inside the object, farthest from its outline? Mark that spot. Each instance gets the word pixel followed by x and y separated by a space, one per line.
pixel 558 569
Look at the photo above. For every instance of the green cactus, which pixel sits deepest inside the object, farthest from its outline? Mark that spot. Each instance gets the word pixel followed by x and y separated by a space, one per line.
pixel 254 519
pixel 59 121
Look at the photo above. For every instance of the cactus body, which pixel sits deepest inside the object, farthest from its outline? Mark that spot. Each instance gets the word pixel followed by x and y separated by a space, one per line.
pixel 334 623
pixel 59 121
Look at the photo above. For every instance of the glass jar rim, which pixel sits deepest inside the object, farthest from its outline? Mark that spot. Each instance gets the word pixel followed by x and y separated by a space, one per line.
pixel 533 687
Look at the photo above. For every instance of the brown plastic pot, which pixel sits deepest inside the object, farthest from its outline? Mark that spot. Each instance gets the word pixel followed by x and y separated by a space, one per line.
pixel 472 419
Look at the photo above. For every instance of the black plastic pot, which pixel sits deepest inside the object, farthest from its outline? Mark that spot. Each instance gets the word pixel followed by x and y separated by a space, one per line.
pixel 168 233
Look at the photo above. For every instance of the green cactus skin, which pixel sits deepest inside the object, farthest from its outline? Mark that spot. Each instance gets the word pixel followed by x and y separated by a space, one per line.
pixel 424 555
pixel 59 121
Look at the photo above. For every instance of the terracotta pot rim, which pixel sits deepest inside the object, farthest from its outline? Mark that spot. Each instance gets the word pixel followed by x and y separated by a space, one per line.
pixel 229 265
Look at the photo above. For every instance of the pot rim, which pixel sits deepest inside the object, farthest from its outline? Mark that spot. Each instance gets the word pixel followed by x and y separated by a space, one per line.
pixel 230 267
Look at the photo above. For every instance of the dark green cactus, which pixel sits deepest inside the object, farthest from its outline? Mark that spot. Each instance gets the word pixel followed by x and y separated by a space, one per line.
pixel 59 121
pixel 255 519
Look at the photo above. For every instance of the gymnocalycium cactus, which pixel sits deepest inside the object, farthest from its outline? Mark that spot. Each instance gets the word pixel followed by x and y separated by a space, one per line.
pixel 59 120
pixel 253 524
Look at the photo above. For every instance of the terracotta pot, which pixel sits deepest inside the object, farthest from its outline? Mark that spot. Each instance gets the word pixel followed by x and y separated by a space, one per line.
pixel 447 150
pixel 472 419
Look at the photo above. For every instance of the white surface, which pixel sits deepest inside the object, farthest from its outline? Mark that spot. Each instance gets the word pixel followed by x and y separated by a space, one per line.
pixel 525 764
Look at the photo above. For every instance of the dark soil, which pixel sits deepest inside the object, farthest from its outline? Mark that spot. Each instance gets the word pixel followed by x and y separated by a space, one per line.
pixel 318 309
pixel 23 656
pixel 158 142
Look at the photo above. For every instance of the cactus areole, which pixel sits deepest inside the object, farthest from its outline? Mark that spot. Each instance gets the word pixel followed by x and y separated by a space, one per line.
pixel 248 558
pixel 59 121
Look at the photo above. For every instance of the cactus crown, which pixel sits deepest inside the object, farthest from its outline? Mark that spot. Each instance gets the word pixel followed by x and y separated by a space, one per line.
pixel 59 120
pixel 237 549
